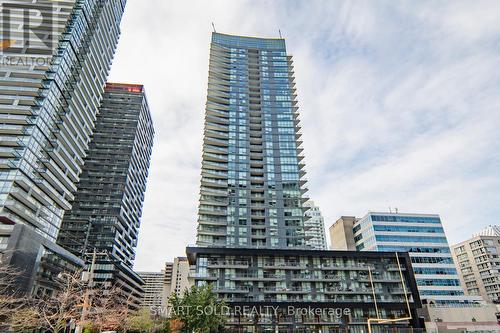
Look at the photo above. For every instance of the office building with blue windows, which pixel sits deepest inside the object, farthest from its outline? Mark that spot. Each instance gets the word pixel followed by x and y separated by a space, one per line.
pixel 423 236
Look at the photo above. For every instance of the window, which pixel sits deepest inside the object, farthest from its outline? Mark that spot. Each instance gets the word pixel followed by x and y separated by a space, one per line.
pixel 411 239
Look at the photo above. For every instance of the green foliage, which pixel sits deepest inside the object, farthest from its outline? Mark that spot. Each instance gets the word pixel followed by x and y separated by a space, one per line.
pixel 89 329
pixel 140 322
pixel 164 327
pixel 199 310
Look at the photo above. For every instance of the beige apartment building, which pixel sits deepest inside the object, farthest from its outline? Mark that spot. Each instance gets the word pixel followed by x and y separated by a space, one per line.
pixel 478 263
pixel 154 283
pixel 161 285
pixel 180 273
pixel 341 234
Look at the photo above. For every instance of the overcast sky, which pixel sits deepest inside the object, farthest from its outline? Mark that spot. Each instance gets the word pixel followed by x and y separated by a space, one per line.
pixel 399 101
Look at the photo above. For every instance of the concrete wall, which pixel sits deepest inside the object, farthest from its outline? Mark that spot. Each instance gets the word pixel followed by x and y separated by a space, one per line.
pixel 461 319
pixel 341 235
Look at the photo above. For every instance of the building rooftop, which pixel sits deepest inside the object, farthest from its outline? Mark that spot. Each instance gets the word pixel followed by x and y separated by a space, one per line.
pixel 491 230
pixel 248 42
pixel 128 87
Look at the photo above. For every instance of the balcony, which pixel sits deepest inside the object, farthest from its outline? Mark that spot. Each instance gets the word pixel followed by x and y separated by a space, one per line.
pixel 212 191
pixel 215 157
pixel 284 290
pixel 13 129
pixel 285 265
pixel 214 150
pixel 199 276
pixel 231 290
pixel 228 264
pixel 209 165
pixel 216 142
pixel 216 134
pixel 216 212
pixel 349 291
pixel 211 232
pixel 361 267
pixel 214 182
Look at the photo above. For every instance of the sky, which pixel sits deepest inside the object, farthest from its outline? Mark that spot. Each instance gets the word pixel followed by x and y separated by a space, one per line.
pixel 399 103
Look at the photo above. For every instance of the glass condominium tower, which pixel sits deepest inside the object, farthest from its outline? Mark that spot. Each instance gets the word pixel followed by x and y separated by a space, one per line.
pixel 252 181
pixel 107 209
pixel 55 59
pixel 106 214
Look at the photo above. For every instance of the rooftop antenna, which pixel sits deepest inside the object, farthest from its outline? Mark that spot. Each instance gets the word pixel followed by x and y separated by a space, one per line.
pixel 390 210
pixel 397 210
pixel 213 26
pixel 279 30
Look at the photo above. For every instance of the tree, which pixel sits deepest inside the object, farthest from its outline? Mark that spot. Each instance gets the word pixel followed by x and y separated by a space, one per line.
pixel 199 310
pixel 12 300
pixel 55 311
pixel 140 321
pixel 63 307
pixel 74 301
pixel 175 325
pixel 109 309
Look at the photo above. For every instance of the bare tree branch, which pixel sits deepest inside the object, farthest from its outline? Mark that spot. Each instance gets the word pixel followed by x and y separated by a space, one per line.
pixel 12 300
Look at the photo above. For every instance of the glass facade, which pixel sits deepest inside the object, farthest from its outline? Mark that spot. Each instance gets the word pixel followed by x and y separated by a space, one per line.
pixel 255 230
pixel 314 227
pixel 252 172
pixel 424 238
pixel 49 96
pixel 107 208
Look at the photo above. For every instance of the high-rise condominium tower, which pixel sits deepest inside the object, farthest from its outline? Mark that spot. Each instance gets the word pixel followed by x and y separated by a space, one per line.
pixel 54 58
pixel 252 175
pixel 315 227
pixel 106 211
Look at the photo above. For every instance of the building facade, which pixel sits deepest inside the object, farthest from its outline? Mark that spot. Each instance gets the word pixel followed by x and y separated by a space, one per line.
pixel 454 318
pixel 478 264
pixel 160 286
pixel 55 59
pixel 314 227
pixel 252 181
pixel 341 234
pixel 106 211
pixel 180 276
pixel 154 288
pixel 422 235
pixel 309 291
pixel 252 204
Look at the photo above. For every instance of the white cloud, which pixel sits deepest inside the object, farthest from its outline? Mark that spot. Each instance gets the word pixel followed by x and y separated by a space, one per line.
pixel 399 103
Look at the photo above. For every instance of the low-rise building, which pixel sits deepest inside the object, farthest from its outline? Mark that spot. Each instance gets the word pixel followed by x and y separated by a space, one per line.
pixel 286 290
pixel 422 235
pixel 480 318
